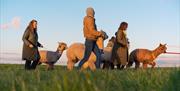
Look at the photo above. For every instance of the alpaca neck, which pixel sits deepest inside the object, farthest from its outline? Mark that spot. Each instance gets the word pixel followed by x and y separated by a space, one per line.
pixel 110 44
pixel 59 52
pixel 156 52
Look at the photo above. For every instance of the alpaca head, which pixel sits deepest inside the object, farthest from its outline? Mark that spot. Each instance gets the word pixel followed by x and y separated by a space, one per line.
pixel 61 47
pixel 100 40
pixel 162 48
pixel 105 36
pixel 111 42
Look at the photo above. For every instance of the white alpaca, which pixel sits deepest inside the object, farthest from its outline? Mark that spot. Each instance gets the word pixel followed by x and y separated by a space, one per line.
pixel 75 53
pixel 51 57
pixel 106 56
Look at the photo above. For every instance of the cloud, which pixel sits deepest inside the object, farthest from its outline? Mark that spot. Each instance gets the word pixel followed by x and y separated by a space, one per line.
pixel 4 26
pixel 14 23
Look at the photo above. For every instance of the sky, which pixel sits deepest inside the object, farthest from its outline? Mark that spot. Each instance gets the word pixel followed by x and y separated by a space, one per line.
pixel 150 22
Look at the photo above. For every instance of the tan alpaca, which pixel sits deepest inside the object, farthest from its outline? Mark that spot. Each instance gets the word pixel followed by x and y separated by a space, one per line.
pixel 75 53
pixel 106 56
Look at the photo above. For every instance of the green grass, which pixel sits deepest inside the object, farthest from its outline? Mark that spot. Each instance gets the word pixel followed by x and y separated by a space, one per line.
pixel 15 78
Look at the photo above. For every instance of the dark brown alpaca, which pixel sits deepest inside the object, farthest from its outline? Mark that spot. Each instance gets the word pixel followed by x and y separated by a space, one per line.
pixel 145 56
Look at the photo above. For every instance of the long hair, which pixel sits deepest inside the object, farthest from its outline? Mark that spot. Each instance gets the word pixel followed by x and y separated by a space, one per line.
pixel 123 26
pixel 30 26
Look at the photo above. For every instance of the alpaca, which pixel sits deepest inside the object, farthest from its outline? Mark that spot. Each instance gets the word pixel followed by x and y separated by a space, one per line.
pixel 106 56
pixel 75 53
pixel 50 57
pixel 145 56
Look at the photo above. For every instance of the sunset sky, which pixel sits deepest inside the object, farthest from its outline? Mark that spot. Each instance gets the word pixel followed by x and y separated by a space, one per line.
pixel 150 22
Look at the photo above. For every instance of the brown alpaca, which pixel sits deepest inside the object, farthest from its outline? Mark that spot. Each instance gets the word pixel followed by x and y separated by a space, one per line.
pixel 145 56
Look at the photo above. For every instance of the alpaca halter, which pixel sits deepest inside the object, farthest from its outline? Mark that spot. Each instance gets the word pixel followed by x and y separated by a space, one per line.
pixel 172 52
pixel 59 52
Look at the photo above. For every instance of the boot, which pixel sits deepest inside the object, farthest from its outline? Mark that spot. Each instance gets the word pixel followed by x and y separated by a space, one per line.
pixel 27 65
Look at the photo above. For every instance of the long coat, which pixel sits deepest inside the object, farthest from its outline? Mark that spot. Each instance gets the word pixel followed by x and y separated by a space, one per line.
pixel 30 37
pixel 120 49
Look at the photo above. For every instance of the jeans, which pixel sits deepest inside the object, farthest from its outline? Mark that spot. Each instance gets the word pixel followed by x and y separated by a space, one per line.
pixel 91 46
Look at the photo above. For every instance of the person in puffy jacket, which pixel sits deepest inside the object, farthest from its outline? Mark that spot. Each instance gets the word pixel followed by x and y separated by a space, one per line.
pixel 91 34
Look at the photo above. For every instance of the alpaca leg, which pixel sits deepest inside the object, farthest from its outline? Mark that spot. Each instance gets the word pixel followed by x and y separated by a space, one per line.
pixel 92 66
pixel 118 66
pixel 39 63
pixel 130 63
pixel 152 64
pixel 105 65
pixel 70 65
pixel 122 67
pixel 144 65
pixel 49 66
pixel 85 65
pixel 137 64
pixel 132 58
pixel 111 65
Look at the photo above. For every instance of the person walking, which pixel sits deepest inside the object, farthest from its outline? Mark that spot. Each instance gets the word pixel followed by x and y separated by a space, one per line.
pixel 91 34
pixel 120 48
pixel 30 51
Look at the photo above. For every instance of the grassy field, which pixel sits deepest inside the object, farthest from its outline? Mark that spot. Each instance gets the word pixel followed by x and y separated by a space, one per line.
pixel 15 78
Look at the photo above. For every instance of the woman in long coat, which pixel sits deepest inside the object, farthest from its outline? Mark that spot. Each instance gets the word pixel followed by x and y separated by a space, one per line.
pixel 120 49
pixel 30 46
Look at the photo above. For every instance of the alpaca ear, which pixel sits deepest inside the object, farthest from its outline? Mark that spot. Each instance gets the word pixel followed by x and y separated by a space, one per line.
pixel 59 43
pixel 165 44
pixel 64 44
pixel 160 44
pixel 106 36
